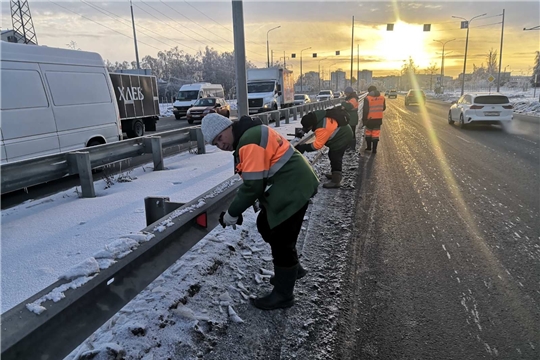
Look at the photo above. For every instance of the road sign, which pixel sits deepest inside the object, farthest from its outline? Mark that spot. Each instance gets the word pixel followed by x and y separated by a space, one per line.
pixel 464 24
pixel 491 78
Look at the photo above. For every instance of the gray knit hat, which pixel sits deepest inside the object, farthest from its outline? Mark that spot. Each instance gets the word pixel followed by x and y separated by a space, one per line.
pixel 212 125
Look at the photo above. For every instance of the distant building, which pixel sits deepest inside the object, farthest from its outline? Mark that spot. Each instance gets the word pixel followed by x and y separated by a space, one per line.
pixel 338 80
pixel 13 36
pixel 365 78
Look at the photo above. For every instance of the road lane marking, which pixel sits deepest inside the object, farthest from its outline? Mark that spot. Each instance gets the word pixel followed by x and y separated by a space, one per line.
pixel 467 141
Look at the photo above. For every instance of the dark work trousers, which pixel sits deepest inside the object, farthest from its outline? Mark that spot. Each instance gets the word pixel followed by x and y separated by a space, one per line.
pixel 336 158
pixel 282 238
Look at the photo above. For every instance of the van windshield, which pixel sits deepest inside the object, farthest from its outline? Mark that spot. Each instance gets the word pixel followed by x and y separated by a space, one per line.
pixel 261 87
pixel 188 95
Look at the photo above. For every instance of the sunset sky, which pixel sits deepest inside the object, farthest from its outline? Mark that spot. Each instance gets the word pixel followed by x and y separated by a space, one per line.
pixel 325 26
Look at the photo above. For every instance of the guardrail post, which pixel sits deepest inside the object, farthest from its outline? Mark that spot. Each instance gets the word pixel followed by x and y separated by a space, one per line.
pixel 157 207
pixel 197 135
pixel 295 113
pixel 264 118
pixel 277 117
pixel 82 159
pixel 287 115
pixel 156 147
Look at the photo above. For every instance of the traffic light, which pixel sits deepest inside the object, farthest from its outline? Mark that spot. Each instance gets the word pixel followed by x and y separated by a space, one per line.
pixel 293 56
pixel 337 52
pixel 314 54
pixel 389 27
pixel 427 27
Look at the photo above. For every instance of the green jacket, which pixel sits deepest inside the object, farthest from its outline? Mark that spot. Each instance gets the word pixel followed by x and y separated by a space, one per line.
pixel 353 113
pixel 336 141
pixel 281 194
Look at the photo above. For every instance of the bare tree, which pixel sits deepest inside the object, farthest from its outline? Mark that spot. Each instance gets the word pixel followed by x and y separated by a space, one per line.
pixel 431 69
pixel 73 45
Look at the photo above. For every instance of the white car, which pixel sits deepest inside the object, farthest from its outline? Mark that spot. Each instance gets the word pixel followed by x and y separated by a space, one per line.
pixel 481 108
pixel 325 95
pixel 301 99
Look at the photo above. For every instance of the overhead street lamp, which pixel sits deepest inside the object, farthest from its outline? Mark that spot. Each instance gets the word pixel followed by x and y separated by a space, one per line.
pixel 442 61
pixel 268 46
pixel 466 23
pixel 301 76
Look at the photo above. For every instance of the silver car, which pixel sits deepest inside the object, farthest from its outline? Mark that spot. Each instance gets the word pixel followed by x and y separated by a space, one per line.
pixel 301 99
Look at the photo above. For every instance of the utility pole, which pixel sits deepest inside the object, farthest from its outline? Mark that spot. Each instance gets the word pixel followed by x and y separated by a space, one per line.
pixel 301 76
pixel 240 57
pixel 467 24
pixel 442 61
pixel 22 22
pixel 357 70
pixel 352 51
pixel 500 54
pixel 267 43
pixel 134 36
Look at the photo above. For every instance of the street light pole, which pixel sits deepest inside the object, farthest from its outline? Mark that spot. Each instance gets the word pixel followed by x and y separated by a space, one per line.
pixel 240 57
pixel 500 54
pixel 268 46
pixel 301 76
pixel 442 61
pixel 466 48
pixel 134 36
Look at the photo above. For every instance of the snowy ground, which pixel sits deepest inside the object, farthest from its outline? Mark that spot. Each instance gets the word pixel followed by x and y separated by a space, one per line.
pixel 199 307
pixel 44 238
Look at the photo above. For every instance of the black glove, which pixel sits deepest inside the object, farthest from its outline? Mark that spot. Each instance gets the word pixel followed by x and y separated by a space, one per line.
pixel 303 148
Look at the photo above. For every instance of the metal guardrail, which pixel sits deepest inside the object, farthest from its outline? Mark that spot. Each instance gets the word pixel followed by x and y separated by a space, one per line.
pixel 26 173
pixel 66 324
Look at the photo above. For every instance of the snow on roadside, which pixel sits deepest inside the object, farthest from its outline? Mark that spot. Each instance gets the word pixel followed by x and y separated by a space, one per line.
pixel 187 308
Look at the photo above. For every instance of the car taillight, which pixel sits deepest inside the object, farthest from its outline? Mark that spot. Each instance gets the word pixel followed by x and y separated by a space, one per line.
pixel 476 107
pixel 508 106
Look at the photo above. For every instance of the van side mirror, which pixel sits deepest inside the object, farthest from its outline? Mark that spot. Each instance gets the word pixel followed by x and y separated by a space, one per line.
pixel 174 98
pixel 454 102
pixel 279 88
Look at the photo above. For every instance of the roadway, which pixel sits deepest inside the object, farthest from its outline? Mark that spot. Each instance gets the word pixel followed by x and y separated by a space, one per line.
pixel 445 263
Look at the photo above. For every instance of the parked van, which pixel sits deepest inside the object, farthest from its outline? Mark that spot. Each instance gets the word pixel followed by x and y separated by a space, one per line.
pixel 54 100
pixel 190 93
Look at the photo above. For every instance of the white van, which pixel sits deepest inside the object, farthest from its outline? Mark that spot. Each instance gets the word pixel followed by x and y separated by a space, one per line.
pixel 190 93
pixel 54 100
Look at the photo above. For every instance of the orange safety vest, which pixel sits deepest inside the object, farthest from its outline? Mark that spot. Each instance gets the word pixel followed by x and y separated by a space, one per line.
pixel 264 160
pixel 326 132
pixel 353 102
pixel 376 105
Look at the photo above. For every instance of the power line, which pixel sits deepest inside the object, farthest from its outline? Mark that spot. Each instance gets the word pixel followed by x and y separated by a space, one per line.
pixel 105 26
pixel 181 25
pixel 207 16
pixel 103 11
pixel 179 13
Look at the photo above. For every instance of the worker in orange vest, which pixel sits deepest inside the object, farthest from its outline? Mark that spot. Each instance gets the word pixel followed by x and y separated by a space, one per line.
pixel 274 173
pixel 351 105
pixel 372 114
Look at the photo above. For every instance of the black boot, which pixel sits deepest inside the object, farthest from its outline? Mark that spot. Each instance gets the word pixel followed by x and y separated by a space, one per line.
pixel 375 143
pixel 282 295
pixel 368 142
pixel 300 274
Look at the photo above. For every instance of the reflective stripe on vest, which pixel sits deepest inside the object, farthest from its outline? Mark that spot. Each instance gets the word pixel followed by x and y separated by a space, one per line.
pixel 277 151
pixel 376 106
pixel 353 102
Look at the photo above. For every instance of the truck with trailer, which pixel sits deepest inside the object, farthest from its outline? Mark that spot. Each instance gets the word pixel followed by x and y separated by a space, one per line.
pixel 138 102
pixel 269 89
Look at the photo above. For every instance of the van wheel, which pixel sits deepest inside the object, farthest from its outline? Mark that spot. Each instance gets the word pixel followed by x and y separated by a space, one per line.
pixel 450 121
pixel 137 129
pixel 461 122
pixel 190 121
pixel 93 143
pixel 228 114
pixel 177 117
